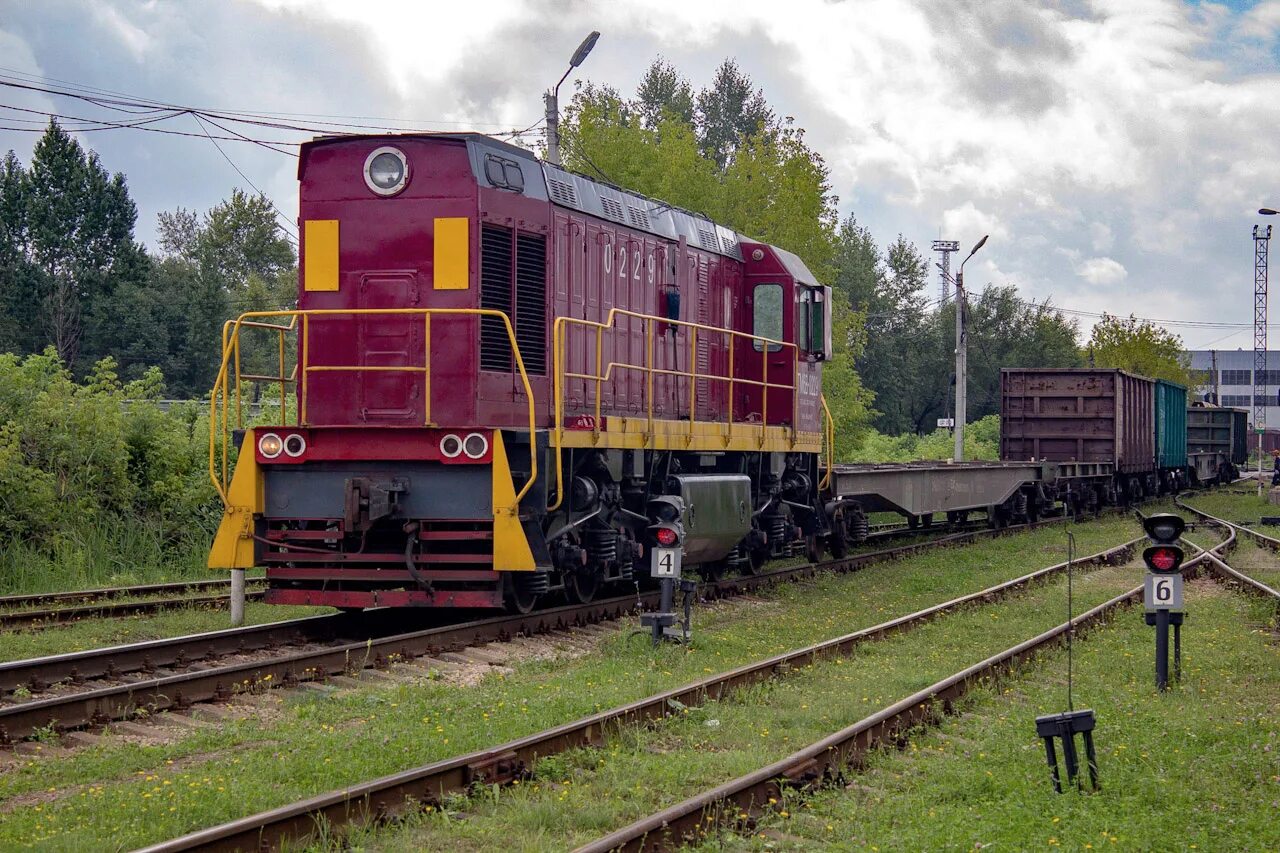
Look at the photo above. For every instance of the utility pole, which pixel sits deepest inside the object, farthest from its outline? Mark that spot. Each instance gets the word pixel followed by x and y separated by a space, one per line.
pixel 1213 369
pixel 1261 245
pixel 551 100
pixel 962 354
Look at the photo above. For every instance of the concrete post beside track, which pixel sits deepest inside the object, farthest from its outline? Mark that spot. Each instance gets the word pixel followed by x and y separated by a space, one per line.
pixel 237 597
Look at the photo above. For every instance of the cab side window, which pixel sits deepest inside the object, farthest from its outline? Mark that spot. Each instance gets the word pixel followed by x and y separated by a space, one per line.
pixel 766 302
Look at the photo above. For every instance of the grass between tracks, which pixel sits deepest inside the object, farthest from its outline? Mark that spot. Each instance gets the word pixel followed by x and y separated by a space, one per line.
pixel 123 795
pixel 92 633
pixel 581 795
pixel 1197 768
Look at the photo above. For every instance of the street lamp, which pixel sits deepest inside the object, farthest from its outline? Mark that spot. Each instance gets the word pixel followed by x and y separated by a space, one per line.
pixel 552 98
pixel 962 354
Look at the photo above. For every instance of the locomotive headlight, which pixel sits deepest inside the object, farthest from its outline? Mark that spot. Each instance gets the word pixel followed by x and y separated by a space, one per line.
pixel 476 445
pixel 451 446
pixel 295 445
pixel 270 445
pixel 386 171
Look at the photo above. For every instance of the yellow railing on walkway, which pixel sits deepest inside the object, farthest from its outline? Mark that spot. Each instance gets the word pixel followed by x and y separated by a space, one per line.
pixel 605 373
pixel 226 394
pixel 828 441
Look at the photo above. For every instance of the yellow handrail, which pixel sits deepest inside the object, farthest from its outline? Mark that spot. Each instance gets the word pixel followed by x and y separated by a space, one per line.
pixel 559 342
pixel 230 376
pixel 830 435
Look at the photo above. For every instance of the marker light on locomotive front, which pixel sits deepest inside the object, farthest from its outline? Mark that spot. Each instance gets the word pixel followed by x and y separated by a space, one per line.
pixel 499 365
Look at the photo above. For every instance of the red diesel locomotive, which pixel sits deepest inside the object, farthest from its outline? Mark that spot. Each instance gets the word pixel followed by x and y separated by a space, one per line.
pixel 500 374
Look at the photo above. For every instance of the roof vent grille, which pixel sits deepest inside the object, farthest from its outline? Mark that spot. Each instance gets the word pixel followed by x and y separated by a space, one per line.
pixel 612 208
pixel 562 192
pixel 638 217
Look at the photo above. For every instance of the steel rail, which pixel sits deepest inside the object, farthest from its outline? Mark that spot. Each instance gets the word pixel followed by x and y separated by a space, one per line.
pixel 1226 572
pixel 86 595
pixel 218 683
pixel 115 661
pixel 112 609
pixel 511 760
pixel 824 759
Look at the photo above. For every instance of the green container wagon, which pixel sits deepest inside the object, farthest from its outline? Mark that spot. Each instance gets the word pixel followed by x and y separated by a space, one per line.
pixel 1171 424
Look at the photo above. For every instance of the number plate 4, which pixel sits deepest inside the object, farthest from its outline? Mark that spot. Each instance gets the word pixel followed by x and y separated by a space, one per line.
pixel 665 562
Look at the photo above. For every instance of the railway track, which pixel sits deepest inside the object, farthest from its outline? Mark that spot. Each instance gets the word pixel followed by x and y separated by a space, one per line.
pixel 88 688
pixel 1223 569
pixel 11 620
pixel 37 610
pixel 512 760
pixel 20 611
pixel 747 796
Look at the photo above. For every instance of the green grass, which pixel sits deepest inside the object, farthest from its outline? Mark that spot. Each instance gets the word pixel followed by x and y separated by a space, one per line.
pixel 583 794
pixel 118 553
pixel 1195 769
pixel 95 633
pixel 1230 506
pixel 303 744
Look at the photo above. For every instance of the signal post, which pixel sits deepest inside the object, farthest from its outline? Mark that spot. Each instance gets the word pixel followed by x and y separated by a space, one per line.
pixel 1162 590
pixel 666 552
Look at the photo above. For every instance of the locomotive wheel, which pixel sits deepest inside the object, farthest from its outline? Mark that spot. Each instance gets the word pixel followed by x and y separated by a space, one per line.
pixel 581 587
pixel 813 549
pixel 516 595
pixel 713 571
pixel 755 561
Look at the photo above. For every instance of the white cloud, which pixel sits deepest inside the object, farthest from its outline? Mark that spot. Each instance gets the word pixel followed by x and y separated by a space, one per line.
pixel 1100 236
pixel 1102 271
pixel 1110 143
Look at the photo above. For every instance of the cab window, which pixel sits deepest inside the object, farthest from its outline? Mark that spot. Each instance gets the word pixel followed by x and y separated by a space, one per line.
pixel 766 302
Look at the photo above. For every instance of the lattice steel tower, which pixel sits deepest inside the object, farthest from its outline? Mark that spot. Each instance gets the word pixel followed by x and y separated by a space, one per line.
pixel 1261 243
pixel 945 248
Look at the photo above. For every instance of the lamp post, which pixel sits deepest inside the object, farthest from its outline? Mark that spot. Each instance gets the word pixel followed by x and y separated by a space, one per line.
pixel 552 98
pixel 962 355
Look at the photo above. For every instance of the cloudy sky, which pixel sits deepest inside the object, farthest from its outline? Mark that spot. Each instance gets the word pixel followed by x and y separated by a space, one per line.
pixel 1115 150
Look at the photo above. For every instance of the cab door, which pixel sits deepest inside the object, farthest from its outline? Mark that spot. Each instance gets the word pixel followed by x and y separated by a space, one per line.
pixel 770 314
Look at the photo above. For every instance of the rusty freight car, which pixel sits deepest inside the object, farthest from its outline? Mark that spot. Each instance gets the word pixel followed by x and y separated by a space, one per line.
pixel 1098 425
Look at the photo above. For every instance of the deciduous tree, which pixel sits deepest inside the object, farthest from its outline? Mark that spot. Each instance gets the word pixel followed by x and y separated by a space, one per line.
pixel 1139 346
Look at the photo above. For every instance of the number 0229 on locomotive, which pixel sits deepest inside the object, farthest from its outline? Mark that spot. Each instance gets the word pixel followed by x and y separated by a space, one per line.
pixel 501 374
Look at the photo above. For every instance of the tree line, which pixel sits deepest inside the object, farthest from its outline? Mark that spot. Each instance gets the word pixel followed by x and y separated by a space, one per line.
pixel 725 152
pixel 74 278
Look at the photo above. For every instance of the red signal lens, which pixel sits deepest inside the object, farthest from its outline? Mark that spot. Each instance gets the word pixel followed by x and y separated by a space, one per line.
pixel 1163 559
pixel 666 536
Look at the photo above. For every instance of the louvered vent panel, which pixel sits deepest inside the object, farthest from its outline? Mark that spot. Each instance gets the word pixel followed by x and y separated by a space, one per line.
pixel 708 239
pixel 495 293
pixel 638 217
pixel 730 245
pixel 562 192
pixel 612 208
pixel 531 301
